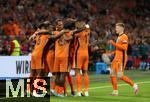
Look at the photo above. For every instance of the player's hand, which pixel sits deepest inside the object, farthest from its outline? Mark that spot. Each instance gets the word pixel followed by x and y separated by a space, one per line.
pixel 36 32
pixel 96 47
pixel 32 37
pixel 110 41
pixel 87 26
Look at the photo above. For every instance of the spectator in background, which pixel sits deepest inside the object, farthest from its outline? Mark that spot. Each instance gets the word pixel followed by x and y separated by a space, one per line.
pixel 143 48
pixel 11 27
pixel 14 46
pixel 20 16
pixel 129 53
pixel 4 46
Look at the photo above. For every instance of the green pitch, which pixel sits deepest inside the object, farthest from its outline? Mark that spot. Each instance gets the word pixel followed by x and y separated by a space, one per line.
pixel 100 88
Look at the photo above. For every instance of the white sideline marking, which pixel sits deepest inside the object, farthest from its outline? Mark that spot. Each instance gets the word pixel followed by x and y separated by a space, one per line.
pixel 101 87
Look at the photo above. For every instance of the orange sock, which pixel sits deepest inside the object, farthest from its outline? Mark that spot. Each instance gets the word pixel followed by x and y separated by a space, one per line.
pixel 70 80
pixel 114 82
pixel 78 82
pixel 57 89
pixel 53 85
pixel 86 82
pixel 61 90
pixel 127 80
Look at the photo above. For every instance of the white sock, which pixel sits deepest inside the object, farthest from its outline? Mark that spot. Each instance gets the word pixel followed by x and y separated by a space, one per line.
pixel 135 86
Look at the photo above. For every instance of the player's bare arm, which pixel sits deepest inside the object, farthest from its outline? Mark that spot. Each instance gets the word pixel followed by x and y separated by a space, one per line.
pixel 59 35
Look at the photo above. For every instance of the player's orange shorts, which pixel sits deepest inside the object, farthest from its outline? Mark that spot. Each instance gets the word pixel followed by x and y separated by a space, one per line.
pixel 36 62
pixel 49 62
pixel 82 61
pixel 119 65
pixel 61 64
pixel 116 66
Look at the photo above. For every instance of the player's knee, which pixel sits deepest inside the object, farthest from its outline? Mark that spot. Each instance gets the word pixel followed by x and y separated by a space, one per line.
pixel 62 78
pixel 84 72
pixel 112 73
pixel 53 77
pixel 119 74
pixel 57 80
pixel 77 71
pixel 61 81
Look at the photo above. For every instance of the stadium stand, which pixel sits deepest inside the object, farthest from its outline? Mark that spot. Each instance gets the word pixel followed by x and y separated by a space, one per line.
pixel 20 17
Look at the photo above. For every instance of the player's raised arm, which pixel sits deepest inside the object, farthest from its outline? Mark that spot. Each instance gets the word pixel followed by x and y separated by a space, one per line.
pixel 59 35
pixel 43 31
pixel 122 46
pixel 32 37
pixel 77 31
pixel 39 30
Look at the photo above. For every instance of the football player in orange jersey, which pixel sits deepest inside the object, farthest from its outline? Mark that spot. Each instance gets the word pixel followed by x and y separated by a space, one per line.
pixel 37 65
pixel 46 49
pixel 49 57
pixel 119 62
pixel 62 52
pixel 82 58
pixel 69 78
pixel 61 58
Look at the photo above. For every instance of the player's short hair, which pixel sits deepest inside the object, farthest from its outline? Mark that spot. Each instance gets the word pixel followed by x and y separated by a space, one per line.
pixel 44 24
pixel 58 20
pixel 120 24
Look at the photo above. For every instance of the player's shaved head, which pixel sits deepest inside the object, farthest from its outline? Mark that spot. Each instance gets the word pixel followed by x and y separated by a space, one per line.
pixel 58 20
pixel 44 24
pixel 120 24
pixel 59 24
pixel 120 28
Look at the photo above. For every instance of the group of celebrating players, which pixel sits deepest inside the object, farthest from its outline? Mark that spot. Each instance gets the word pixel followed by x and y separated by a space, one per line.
pixel 63 47
pixel 57 50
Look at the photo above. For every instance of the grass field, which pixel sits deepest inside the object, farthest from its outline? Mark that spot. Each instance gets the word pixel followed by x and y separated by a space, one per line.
pixel 100 88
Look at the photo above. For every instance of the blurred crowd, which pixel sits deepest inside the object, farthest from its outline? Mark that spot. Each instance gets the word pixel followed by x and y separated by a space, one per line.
pixel 20 17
